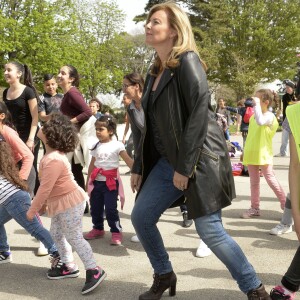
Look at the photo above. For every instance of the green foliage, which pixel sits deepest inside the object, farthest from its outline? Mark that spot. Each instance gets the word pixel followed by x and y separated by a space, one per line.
pixel 47 34
pixel 252 41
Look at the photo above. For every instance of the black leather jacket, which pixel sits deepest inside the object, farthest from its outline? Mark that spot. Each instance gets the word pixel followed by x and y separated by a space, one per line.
pixel 193 141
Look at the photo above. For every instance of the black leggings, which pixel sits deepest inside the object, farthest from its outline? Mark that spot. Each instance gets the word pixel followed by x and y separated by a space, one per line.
pixel 291 279
pixel 77 172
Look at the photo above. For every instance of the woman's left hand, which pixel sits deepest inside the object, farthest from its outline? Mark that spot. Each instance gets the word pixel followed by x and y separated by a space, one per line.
pixel 30 145
pixel 180 181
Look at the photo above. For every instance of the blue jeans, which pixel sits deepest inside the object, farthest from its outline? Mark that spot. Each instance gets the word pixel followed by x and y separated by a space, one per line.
pixel 284 142
pixel 227 135
pixel 16 207
pixel 157 195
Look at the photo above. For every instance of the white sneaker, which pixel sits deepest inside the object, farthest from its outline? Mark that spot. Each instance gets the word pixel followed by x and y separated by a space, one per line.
pixel 281 229
pixel 135 239
pixel 203 250
pixel 42 250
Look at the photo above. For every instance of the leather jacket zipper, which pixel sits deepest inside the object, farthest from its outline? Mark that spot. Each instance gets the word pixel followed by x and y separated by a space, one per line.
pixel 209 154
pixel 172 121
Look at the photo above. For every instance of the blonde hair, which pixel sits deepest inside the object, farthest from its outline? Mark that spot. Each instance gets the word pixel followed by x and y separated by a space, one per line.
pixel 184 41
pixel 265 95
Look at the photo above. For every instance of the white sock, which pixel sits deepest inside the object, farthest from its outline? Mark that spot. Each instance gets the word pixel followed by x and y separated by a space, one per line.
pixel 286 291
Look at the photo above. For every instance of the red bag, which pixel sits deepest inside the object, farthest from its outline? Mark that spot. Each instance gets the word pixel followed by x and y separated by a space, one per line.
pixel 237 169
pixel 248 113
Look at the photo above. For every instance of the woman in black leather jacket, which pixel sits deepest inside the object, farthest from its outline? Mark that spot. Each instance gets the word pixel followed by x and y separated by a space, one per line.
pixel 183 156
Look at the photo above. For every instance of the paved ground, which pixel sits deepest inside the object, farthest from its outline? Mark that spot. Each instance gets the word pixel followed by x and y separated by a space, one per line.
pixel 128 268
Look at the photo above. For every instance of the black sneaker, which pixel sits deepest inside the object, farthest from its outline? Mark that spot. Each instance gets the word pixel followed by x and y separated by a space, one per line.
pixel 277 293
pixel 93 278
pixel 186 222
pixel 61 271
pixel 5 257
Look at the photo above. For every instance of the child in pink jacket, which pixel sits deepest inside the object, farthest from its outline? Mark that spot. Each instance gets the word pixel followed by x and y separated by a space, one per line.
pixel 65 202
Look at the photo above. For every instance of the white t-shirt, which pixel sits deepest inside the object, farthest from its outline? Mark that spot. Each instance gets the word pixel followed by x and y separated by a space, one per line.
pixel 107 156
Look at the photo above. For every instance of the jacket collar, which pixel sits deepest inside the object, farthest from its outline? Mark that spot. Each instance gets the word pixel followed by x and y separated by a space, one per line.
pixel 165 78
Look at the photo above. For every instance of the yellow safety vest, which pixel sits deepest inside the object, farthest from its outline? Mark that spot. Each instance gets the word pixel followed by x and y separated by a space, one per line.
pixel 293 116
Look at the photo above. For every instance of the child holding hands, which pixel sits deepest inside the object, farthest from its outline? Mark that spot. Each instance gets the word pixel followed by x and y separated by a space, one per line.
pixel 65 202
pixel 258 152
pixel 103 174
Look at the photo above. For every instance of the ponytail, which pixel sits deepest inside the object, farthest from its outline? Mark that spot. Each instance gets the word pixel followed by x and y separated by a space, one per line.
pixel 28 81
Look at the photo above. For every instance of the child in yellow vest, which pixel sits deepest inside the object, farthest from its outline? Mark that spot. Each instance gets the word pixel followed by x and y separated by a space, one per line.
pixel 258 152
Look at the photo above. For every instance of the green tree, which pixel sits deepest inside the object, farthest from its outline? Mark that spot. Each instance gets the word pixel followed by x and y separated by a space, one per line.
pixel 36 33
pixel 99 57
pixel 251 41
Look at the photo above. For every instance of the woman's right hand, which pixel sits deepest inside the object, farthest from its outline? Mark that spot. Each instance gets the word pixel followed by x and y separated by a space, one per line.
pixel 30 145
pixel 135 181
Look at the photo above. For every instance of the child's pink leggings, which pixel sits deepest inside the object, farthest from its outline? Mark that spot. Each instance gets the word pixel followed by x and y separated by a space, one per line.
pixel 269 175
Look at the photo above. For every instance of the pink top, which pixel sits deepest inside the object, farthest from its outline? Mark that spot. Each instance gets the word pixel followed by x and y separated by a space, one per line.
pixel 58 189
pixel 20 150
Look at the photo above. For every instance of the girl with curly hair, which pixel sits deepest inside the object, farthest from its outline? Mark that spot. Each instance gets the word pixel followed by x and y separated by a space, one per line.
pixel 15 202
pixel 65 202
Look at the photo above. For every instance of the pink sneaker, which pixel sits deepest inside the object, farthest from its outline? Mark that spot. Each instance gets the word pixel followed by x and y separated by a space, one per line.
pixel 250 213
pixel 278 293
pixel 94 234
pixel 116 238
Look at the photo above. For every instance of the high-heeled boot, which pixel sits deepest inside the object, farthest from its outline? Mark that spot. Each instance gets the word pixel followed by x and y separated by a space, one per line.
pixel 160 284
pixel 259 294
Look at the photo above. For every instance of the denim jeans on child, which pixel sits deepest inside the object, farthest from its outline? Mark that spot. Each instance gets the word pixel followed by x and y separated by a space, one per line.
pixel 16 207
pixel 104 199
pixel 157 195
pixel 284 142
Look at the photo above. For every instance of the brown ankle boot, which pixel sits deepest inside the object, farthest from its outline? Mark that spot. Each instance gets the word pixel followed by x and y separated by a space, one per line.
pixel 259 294
pixel 160 284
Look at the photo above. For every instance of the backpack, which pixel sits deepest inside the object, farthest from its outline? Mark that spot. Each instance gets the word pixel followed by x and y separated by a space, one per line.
pixel 248 113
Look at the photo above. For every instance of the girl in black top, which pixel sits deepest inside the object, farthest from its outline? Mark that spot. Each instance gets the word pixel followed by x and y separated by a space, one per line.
pixel 21 101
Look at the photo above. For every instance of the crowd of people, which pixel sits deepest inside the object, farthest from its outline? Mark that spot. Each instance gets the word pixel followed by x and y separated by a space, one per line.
pixel 177 155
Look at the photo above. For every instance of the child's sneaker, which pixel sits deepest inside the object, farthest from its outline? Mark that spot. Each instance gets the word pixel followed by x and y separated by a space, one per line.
pixel 93 278
pixel 59 270
pixel 116 238
pixel 250 213
pixel 281 229
pixel 5 257
pixel 203 250
pixel 62 271
pixel 277 293
pixel 42 250
pixel 94 234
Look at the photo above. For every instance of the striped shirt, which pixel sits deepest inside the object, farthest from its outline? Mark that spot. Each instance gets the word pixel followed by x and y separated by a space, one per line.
pixel 7 189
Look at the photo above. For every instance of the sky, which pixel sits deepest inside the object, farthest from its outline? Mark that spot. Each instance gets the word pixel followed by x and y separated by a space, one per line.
pixel 132 8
